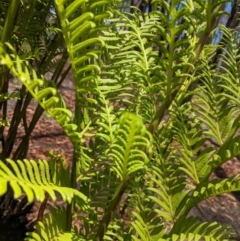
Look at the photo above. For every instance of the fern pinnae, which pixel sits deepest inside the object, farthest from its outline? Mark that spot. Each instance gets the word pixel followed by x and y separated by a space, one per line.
pixel 56 228
pixel 32 183
pixel 147 223
pixel 29 78
pixel 208 189
pixel 207 230
pixel 146 64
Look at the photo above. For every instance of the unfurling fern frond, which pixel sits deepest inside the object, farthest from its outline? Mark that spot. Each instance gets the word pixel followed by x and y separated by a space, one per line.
pixel 34 179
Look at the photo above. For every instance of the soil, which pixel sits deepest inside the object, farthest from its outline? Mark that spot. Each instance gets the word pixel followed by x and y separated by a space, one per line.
pixel 47 135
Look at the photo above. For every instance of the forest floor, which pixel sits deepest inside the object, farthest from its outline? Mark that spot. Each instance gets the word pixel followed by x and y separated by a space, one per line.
pixel 47 135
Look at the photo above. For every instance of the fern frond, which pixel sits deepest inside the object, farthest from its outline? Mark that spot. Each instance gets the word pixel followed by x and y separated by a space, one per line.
pixel 208 189
pixel 133 38
pixel 127 153
pixel 218 103
pixel 82 23
pixel 33 178
pixel 206 230
pixel 107 121
pixel 189 136
pixel 194 237
pixel 214 114
pixel 167 191
pixel 10 96
pixel 83 43
pixel 126 158
pixel 52 228
pixel 148 224
pixel 229 76
pixel 39 89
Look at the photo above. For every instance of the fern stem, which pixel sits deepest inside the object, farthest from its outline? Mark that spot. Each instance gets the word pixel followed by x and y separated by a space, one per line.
pixel 70 206
pixel 168 101
pixel 111 207
pixel 76 152
pixel 23 147
pixel 171 51
pixel 8 26
pixel 7 30
pixel 42 208
pixel 18 115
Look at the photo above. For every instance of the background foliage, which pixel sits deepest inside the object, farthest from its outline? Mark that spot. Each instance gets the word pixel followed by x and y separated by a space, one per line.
pixel 154 82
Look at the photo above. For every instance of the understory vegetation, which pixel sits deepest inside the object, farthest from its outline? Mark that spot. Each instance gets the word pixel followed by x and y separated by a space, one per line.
pixel 156 112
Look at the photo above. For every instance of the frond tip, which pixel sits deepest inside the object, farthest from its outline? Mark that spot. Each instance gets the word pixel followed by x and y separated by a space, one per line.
pixel 131 143
pixel 33 178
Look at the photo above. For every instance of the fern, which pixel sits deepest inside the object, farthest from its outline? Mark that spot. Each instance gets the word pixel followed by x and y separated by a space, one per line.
pixel 46 97
pixel 148 98
pixel 34 179
pixel 55 222
pixel 128 157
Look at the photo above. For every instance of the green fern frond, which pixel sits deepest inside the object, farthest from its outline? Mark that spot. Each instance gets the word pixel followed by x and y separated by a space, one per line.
pixel 39 89
pixel 126 157
pixel 52 228
pixel 131 140
pixel 4 122
pixel 218 103
pixel 208 189
pixel 134 72
pixel 82 23
pixel 10 96
pixel 31 35
pixel 206 230
pixel 34 179
pixel 60 169
pixel 229 76
pixel 83 43
pixel 189 137
pixel 193 237
pixel 209 100
pixel 167 191
pixel 107 121
pixel 147 223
